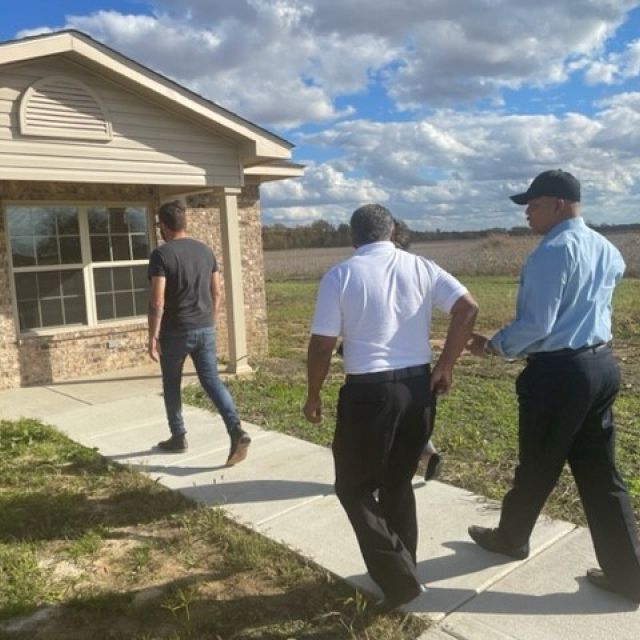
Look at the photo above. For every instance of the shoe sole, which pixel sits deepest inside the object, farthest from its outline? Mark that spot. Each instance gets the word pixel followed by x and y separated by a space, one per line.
pixel 241 452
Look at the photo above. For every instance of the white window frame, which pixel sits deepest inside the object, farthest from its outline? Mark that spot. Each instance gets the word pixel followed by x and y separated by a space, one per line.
pixel 87 265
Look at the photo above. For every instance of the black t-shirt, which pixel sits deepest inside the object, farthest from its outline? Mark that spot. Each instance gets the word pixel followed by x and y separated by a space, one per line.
pixel 187 264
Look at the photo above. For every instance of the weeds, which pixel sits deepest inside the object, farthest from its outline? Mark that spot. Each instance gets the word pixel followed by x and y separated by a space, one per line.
pixel 92 549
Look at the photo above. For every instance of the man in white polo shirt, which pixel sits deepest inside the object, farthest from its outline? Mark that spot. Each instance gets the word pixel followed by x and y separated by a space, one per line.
pixel 380 302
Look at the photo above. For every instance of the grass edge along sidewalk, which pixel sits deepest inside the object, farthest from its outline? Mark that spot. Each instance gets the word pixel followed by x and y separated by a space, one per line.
pixel 90 548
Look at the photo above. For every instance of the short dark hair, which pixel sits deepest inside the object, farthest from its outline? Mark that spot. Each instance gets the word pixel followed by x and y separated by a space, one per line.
pixel 173 215
pixel 370 223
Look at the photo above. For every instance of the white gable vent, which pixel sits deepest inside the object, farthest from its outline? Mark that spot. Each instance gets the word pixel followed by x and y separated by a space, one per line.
pixel 63 107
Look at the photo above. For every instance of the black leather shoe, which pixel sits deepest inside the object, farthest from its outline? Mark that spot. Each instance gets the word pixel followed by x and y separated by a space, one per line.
pixel 492 540
pixel 434 464
pixel 389 604
pixel 599 578
pixel 175 444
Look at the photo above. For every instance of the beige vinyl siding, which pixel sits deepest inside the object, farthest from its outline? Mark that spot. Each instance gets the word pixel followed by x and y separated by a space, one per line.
pixel 149 145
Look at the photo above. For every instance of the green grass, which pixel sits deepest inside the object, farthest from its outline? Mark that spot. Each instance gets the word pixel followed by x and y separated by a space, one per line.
pixel 122 557
pixel 477 422
pixel 125 558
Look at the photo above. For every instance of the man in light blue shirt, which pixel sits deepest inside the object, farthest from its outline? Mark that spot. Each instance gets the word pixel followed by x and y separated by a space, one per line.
pixel 567 390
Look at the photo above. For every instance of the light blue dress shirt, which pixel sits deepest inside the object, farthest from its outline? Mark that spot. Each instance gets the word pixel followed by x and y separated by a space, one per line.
pixel 564 298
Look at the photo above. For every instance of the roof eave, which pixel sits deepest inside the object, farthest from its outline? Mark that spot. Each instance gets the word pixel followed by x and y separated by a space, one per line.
pixel 256 142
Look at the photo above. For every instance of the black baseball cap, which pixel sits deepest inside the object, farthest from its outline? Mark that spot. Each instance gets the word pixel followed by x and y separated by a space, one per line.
pixel 555 183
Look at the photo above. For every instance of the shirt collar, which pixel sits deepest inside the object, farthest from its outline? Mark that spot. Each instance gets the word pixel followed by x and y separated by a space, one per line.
pixel 384 246
pixel 569 223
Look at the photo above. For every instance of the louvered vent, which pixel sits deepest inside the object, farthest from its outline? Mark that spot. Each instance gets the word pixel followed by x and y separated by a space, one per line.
pixel 62 107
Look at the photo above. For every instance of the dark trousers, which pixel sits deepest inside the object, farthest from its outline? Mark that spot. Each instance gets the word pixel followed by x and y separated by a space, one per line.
pixel 565 415
pixel 380 432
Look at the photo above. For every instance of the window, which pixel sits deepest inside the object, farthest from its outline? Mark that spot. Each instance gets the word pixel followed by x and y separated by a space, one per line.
pixel 78 265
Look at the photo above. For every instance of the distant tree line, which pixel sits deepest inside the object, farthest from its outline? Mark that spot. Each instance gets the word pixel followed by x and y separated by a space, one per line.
pixel 323 234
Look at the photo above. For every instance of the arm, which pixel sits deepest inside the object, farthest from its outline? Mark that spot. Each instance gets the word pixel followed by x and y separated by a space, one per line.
pixel 541 292
pixel 216 294
pixel 318 361
pixel 155 310
pixel 463 317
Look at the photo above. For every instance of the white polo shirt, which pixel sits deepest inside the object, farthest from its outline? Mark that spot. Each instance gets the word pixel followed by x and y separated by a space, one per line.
pixel 380 301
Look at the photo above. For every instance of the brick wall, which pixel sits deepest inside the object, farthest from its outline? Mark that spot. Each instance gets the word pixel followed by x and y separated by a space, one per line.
pixel 69 354
pixel 204 224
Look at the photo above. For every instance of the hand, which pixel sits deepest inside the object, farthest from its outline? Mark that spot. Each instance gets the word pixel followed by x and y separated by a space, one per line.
pixel 477 344
pixel 154 349
pixel 313 410
pixel 441 379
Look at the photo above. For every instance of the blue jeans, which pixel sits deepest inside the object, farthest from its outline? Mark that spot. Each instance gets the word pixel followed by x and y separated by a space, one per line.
pixel 200 344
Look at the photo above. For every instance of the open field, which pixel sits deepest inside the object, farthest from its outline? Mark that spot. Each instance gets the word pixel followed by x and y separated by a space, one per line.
pixel 476 428
pixel 495 255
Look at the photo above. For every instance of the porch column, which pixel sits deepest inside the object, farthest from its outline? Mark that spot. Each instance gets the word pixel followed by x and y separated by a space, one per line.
pixel 234 296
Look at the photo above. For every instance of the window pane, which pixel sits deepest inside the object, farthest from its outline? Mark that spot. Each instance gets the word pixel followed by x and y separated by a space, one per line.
pixel 102 280
pixel 22 252
pixel 49 284
pixel 100 249
pixel 137 218
pixel 28 315
pixel 140 277
pixel 104 306
pixel 42 296
pixel 44 222
pixel 124 304
pixel 51 312
pixel 68 222
pixel 120 246
pixel 140 247
pixel 70 250
pixel 122 279
pixel 26 287
pixel 98 220
pixel 47 250
pixel 72 283
pixel 118 221
pixel 20 221
pixel 141 300
pixel 74 310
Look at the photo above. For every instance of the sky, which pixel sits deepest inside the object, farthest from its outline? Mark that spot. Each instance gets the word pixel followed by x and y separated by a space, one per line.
pixel 437 109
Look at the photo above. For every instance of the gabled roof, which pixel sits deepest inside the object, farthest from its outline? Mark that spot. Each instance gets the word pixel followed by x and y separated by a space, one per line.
pixel 258 145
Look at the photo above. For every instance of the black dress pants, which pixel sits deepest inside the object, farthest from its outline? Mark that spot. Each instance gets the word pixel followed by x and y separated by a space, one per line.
pixel 380 432
pixel 565 414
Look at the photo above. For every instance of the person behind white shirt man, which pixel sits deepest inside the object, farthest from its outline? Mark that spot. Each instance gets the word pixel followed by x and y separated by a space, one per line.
pixel 380 302
pixel 567 389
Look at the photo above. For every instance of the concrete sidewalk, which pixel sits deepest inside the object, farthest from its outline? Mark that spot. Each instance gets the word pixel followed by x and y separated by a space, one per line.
pixel 284 490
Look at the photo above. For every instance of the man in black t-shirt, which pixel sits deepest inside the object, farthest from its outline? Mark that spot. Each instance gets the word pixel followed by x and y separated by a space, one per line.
pixel 183 305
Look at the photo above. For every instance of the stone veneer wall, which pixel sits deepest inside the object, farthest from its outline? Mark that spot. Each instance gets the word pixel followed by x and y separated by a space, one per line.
pixel 204 224
pixel 45 359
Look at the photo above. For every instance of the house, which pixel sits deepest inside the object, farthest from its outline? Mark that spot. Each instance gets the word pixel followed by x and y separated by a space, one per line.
pixel 91 143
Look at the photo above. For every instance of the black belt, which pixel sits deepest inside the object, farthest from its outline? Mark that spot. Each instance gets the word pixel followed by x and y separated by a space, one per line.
pixel 387 376
pixel 594 348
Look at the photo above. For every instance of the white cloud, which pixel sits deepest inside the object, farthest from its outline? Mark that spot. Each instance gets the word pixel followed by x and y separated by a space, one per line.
pixel 615 67
pixel 456 170
pixel 285 62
